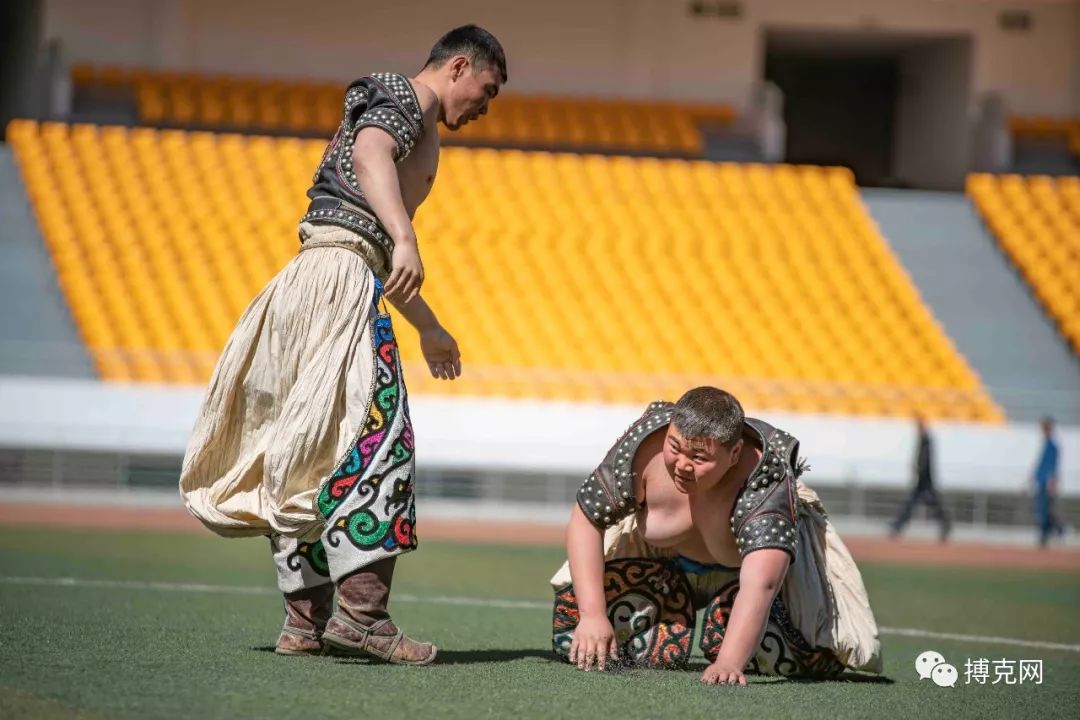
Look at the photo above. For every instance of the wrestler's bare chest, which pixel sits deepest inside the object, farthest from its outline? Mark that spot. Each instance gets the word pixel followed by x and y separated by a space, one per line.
pixel 416 173
pixel 697 526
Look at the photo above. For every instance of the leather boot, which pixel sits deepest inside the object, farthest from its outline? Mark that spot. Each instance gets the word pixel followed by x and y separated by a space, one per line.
pixel 363 625
pixel 306 614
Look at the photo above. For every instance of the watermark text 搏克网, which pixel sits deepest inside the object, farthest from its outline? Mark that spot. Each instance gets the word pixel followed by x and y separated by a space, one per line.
pixel 931 665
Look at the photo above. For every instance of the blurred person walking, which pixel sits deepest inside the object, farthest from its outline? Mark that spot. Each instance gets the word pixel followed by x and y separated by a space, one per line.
pixel 1044 482
pixel 924 491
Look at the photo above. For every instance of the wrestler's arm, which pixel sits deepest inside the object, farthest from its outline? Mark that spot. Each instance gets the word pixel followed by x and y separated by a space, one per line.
pixel 438 346
pixel 594 637
pixel 418 313
pixel 376 173
pixel 585 550
pixel 374 154
pixel 760 578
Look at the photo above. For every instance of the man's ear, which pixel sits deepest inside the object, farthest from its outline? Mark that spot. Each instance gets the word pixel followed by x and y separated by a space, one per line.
pixel 736 452
pixel 459 64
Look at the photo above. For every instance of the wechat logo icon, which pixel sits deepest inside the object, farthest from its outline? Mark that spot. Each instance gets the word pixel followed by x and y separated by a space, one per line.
pixel 931 665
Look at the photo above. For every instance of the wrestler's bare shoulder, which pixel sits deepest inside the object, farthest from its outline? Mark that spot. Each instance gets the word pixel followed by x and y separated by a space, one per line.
pixel 648 465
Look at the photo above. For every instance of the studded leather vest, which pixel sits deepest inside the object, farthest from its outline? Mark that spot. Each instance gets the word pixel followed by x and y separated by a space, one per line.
pixel 765 512
pixel 383 100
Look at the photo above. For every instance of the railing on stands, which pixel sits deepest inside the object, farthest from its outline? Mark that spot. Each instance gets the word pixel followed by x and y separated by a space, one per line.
pixel 541 495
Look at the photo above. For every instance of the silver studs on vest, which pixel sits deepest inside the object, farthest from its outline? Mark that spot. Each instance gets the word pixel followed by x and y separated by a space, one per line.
pixel 408 122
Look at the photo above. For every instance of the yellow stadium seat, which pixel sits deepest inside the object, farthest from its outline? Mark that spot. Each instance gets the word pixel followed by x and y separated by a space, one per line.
pixel 221 101
pixel 1039 236
pixel 566 277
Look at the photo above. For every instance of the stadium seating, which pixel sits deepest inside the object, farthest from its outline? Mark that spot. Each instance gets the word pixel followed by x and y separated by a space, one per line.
pixel 217 102
pixel 573 277
pixel 1048 127
pixel 1036 221
pixel 1039 126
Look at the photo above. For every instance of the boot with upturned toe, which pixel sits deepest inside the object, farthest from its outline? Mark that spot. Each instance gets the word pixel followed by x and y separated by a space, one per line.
pixel 362 624
pixel 306 614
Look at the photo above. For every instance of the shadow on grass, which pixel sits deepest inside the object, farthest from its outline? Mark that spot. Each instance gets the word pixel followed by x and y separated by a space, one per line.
pixel 446 657
pixel 848 677
pixel 469 657
pixel 698 666
pixel 474 657
pixel 461 657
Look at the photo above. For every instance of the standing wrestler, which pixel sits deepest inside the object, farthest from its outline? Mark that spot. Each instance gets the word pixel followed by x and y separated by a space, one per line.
pixel 698 507
pixel 304 434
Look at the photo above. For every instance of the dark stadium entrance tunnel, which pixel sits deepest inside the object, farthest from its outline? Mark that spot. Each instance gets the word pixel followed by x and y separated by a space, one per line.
pixel 891 107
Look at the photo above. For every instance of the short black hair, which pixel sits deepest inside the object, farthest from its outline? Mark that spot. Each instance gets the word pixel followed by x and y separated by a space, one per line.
pixel 709 412
pixel 475 43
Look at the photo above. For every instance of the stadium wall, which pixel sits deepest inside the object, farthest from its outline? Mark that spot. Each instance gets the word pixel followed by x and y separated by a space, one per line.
pixel 633 48
pixel 525 437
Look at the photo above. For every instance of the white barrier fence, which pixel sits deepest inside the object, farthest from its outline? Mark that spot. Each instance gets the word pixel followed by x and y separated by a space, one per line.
pixel 59 439
pixel 541 438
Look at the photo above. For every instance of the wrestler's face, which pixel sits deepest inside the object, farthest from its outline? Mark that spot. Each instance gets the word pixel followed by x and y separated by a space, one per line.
pixel 471 90
pixel 697 464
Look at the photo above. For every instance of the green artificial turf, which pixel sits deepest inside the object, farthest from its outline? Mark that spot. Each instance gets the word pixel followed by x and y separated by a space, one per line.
pixel 167 650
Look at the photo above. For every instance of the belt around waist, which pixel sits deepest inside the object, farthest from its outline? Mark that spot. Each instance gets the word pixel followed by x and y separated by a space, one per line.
pixel 693 567
pixel 333 211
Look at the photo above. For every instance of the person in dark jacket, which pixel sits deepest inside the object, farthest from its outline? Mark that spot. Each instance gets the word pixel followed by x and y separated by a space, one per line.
pixel 923 491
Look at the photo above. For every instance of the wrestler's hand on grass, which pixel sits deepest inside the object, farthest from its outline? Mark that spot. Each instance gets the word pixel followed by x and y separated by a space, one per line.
pixel 441 352
pixel 721 673
pixel 408 273
pixel 594 643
